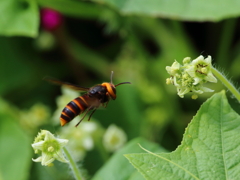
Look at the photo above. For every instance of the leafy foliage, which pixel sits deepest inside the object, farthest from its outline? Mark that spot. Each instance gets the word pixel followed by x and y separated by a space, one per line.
pixel 136 40
pixel 19 18
pixel 192 11
pixel 118 165
pixel 209 149
pixel 15 152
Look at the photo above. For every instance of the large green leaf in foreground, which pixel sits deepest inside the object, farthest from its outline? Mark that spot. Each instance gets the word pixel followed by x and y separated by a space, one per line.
pixel 196 10
pixel 15 145
pixel 210 148
pixel 118 168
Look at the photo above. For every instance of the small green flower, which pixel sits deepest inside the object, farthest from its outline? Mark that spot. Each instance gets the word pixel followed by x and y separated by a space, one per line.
pixel 168 81
pixel 194 96
pixel 200 70
pixel 114 138
pixel 49 147
pixel 174 69
pixel 34 117
pixel 191 76
pixel 186 60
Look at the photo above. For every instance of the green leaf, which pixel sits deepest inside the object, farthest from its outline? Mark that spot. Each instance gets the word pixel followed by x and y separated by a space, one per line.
pixel 136 176
pixel 15 146
pixel 19 17
pixel 118 168
pixel 74 8
pixel 197 10
pixel 209 150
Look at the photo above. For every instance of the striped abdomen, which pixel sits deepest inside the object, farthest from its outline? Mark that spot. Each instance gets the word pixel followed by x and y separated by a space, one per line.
pixel 73 108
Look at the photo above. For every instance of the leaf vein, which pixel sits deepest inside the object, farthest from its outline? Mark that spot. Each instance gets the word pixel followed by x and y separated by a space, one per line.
pixel 221 134
pixel 188 172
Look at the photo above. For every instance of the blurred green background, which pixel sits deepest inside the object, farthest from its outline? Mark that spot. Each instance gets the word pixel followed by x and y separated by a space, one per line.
pixel 136 40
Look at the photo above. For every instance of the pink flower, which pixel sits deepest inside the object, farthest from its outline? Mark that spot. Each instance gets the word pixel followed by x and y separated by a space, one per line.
pixel 51 19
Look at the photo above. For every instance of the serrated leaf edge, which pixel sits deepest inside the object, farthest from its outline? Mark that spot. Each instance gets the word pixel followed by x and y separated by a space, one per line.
pixel 126 156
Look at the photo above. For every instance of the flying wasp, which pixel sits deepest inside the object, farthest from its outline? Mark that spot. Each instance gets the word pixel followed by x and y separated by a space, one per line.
pixel 96 96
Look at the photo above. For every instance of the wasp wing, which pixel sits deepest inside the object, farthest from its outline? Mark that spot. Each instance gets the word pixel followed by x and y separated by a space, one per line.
pixel 66 84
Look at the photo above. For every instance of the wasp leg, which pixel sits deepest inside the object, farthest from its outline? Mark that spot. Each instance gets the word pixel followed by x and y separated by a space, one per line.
pixel 105 105
pixel 91 114
pixel 89 109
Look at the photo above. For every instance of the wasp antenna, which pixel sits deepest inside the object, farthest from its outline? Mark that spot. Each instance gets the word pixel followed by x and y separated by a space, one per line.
pixel 111 77
pixel 122 83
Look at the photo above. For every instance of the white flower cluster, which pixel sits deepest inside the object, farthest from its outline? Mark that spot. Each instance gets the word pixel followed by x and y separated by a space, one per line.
pixel 90 134
pixel 34 117
pixel 191 76
pixel 82 138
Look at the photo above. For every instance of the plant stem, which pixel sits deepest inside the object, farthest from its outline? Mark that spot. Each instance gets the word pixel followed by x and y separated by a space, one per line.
pixel 226 83
pixel 73 165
